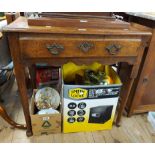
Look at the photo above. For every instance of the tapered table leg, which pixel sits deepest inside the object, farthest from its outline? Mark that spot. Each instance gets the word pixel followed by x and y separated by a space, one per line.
pixel 124 100
pixel 19 69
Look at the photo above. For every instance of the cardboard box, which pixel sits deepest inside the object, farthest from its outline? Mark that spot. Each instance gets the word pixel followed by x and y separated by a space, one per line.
pixel 90 108
pixel 47 75
pixel 44 124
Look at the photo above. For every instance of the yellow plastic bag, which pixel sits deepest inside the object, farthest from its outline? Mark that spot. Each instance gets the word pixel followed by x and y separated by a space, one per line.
pixel 70 70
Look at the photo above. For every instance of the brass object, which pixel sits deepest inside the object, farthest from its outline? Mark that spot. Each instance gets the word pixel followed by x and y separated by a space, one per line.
pixel 55 49
pixel 113 49
pixel 85 46
pixel 91 77
pixel 98 78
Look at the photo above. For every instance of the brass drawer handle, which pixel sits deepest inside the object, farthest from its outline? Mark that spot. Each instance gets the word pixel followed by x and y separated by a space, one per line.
pixel 113 49
pixel 55 49
pixel 85 46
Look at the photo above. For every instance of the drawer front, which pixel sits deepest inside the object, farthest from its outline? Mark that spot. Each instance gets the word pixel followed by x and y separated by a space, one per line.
pixel 67 47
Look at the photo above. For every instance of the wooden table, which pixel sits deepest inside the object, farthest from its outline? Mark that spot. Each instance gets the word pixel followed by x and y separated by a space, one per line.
pixel 143 100
pixel 58 45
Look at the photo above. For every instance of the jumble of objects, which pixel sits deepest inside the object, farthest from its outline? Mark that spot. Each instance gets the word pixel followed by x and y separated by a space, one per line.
pixel 74 98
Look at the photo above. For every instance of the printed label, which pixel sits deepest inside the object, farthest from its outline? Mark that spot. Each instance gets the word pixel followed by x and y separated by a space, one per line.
pixel 46 124
pixel 46 118
pixel 78 93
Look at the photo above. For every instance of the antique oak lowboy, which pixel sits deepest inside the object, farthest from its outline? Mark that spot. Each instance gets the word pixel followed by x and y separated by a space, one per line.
pixel 83 41
pixel 142 97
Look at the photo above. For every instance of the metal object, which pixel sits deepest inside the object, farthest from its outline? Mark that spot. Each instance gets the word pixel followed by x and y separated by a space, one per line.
pixel 145 80
pixel 99 78
pixel 85 46
pixel 55 49
pixel 113 49
pixel 100 114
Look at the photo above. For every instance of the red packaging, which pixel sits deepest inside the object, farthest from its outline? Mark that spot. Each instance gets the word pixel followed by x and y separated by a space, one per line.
pixel 47 75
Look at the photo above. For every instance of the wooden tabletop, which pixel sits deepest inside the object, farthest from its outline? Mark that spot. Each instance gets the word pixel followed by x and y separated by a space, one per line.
pixel 21 25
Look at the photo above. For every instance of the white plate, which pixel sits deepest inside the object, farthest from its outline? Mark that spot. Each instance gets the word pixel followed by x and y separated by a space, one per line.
pixel 47 111
pixel 47 98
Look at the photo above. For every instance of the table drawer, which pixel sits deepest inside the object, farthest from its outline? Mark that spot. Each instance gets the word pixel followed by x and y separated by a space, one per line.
pixel 34 47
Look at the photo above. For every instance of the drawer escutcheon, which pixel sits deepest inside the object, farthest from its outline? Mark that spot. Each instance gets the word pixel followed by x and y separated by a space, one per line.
pixel 113 49
pixel 85 46
pixel 55 49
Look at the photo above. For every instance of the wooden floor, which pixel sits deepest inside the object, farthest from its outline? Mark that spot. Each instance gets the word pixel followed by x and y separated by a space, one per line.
pixel 134 129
